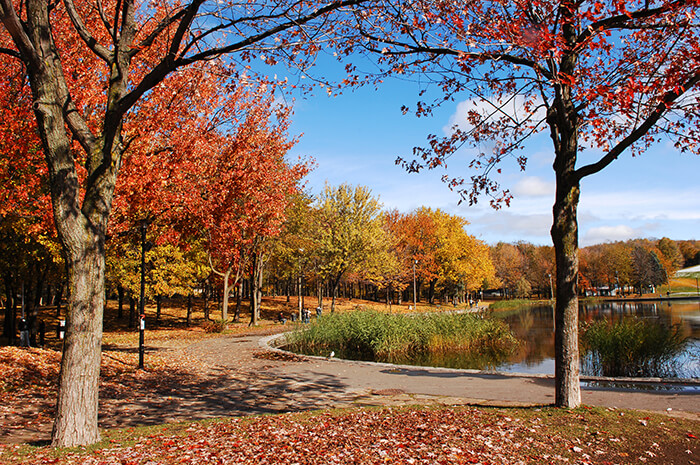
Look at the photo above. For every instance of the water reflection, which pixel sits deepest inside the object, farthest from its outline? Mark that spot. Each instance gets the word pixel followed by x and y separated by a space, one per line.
pixel 535 327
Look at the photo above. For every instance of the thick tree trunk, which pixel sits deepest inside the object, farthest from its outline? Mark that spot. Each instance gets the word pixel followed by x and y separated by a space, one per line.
pixel 76 417
pixel 565 238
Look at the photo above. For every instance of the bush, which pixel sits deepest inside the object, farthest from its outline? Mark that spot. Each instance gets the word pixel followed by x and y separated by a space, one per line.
pixel 215 326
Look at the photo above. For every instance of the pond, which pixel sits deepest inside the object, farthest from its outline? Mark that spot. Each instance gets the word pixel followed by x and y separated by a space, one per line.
pixel 533 326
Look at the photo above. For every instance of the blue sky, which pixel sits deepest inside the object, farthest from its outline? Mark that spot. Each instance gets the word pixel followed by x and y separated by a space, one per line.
pixel 356 137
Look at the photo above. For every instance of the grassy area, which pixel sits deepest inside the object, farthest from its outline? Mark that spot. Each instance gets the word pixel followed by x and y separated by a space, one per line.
pixel 423 435
pixel 382 336
pixel 515 303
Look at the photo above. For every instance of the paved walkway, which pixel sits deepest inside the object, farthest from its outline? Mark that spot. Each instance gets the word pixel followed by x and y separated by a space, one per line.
pixel 286 382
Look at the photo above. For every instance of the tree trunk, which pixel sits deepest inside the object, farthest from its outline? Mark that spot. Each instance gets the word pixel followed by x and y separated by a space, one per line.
pixel 120 306
pixel 59 298
pixel 239 301
pixel 562 119
pixel 132 312
pixel 224 303
pixel 159 299
pixel 565 238
pixel 77 405
pixel 189 310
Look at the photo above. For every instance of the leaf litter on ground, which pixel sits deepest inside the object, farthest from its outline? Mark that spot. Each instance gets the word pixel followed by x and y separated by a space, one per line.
pixel 406 435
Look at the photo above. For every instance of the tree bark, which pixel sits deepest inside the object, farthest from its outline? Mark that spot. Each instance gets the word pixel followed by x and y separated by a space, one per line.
pixel 120 305
pixel 565 238
pixel 224 304
pixel 77 405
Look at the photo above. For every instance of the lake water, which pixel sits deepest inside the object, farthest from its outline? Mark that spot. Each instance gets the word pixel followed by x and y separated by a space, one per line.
pixel 535 328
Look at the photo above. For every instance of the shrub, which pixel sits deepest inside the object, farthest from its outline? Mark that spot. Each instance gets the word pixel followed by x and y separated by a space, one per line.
pixel 215 326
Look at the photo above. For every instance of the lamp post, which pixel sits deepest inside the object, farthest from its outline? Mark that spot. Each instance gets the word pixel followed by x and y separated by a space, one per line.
pixel 415 308
pixel 145 246
pixel 301 303
pixel 551 288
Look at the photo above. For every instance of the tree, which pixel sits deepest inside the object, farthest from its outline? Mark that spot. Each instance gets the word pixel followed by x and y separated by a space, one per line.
pixel 610 76
pixel 670 255
pixel 349 231
pixel 418 241
pixel 133 48
pixel 509 263
pixel 647 269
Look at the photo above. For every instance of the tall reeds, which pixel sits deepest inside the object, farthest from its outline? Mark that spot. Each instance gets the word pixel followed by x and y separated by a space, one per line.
pixel 372 335
pixel 632 347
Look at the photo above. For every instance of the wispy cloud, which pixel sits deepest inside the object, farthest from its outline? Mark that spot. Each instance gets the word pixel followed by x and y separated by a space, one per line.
pixel 610 234
pixel 533 186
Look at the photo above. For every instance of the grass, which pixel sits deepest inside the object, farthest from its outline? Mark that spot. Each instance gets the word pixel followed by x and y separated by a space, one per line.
pixel 633 347
pixel 374 335
pixel 515 303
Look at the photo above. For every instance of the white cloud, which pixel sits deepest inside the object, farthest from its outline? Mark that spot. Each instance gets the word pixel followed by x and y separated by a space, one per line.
pixel 603 234
pixel 508 226
pixel 533 186
pixel 513 106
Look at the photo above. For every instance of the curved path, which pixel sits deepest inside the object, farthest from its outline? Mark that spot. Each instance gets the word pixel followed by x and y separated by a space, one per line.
pixel 284 382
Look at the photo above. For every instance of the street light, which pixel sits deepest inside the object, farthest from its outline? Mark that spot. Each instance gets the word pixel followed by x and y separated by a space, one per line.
pixel 415 308
pixel 301 303
pixel 145 246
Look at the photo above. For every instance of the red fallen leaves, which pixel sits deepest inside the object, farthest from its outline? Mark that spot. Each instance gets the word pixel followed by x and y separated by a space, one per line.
pixel 29 381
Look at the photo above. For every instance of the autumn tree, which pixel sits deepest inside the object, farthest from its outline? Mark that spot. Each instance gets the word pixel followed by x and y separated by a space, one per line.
pixel 294 250
pixel 691 253
pixel 349 231
pixel 134 47
pixel 416 232
pixel 509 264
pixel 610 76
pixel 671 255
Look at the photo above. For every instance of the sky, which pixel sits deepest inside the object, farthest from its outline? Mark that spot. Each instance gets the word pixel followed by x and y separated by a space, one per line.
pixel 356 137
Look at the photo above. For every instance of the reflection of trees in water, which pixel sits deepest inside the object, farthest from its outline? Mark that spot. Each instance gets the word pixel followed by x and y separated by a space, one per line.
pixel 534 326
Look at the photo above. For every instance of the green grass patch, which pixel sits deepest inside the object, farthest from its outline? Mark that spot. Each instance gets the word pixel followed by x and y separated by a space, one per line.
pixel 371 335
pixel 515 303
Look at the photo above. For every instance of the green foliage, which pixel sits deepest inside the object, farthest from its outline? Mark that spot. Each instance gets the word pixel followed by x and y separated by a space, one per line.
pixel 375 335
pixel 630 348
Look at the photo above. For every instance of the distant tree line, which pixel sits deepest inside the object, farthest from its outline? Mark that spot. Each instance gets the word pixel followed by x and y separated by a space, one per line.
pixel 524 270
